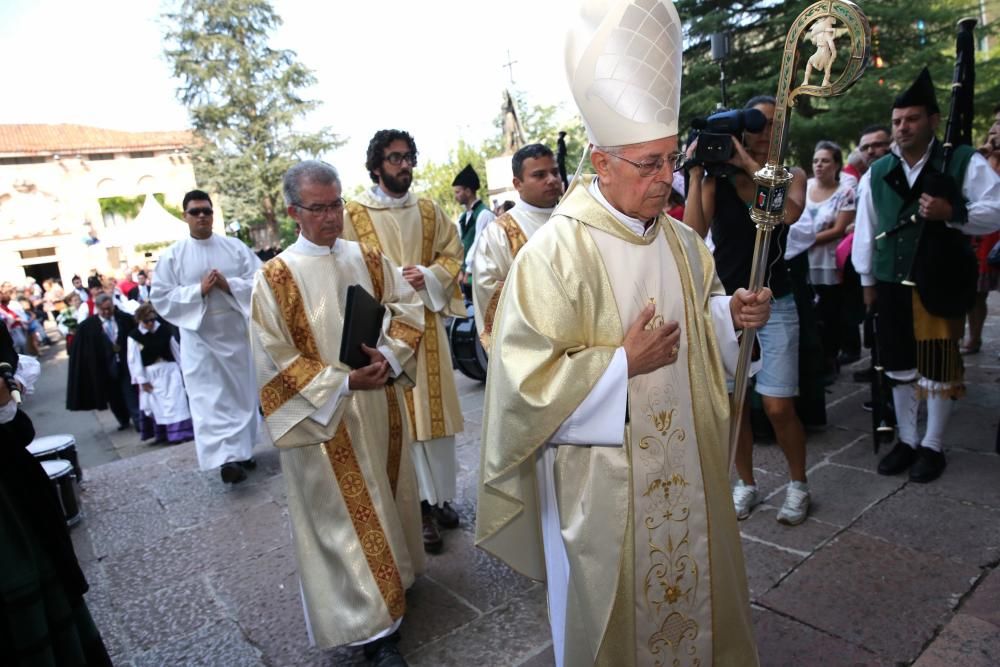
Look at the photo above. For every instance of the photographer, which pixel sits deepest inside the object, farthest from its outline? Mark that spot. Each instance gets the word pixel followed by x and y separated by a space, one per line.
pixel 719 199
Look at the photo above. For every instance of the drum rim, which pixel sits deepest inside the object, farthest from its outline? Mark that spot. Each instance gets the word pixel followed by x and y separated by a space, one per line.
pixel 64 466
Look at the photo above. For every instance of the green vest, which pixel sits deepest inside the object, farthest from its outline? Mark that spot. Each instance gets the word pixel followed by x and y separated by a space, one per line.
pixel 894 201
pixel 467 227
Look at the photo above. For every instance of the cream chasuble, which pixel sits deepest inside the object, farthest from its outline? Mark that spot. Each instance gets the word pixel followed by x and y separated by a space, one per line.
pixel 352 496
pixel 654 566
pixel 495 251
pixel 412 231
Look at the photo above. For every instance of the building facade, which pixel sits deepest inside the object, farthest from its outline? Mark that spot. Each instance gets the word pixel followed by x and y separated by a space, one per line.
pixel 62 189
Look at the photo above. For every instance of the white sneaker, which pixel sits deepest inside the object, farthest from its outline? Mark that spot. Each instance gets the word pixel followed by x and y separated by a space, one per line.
pixel 796 506
pixel 745 497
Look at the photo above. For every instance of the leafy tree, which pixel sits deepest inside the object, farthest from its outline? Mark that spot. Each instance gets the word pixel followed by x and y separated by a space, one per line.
pixel 907 37
pixel 541 124
pixel 244 98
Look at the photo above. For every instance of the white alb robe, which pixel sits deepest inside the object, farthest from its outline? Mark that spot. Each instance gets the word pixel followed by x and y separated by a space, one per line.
pixel 215 346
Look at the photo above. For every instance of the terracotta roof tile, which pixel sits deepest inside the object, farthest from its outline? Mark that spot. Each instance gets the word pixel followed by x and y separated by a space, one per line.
pixel 66 138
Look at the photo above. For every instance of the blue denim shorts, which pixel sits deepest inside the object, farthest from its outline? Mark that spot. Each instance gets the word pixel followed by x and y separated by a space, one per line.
pixel 779 349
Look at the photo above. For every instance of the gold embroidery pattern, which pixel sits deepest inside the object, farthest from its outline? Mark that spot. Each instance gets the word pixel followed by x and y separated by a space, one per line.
pixel 434 400
pixel 286 292
pixel 515 235
pixel 340 452
pixel 670 584
pixel 428 221
pixel 395 437
pixel 363 225
pixel 430 339
pixel 449 264
pixel 486 337
pixel 287 383
pixel 373 261
pixel 410 410
pixel 404 332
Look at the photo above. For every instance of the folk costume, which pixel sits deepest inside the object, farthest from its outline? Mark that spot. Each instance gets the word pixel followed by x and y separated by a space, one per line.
pixel 414 231
pixel 352 493
pixel 498 245
pixel 613 490
pixel 473 221
pixel 215 344
pixel 919 349
pixel 44 619
pixel 153 359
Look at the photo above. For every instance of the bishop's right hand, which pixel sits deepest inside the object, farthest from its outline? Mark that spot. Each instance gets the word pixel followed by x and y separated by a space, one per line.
pixel 649 349
pixel 374 375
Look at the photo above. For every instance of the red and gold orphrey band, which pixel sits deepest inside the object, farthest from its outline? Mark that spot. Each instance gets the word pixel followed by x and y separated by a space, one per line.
pixel 290 380
pixel 365 228
pixel 340 451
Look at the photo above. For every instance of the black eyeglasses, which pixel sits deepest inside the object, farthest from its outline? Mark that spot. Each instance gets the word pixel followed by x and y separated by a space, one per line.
pixel 320 209
pixel 195 212
pixel 397 158
pixel 149 321
pixel 647 169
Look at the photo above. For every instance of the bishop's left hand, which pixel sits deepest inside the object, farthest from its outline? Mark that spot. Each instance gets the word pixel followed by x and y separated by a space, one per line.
pixel 749 310
pixel 936 209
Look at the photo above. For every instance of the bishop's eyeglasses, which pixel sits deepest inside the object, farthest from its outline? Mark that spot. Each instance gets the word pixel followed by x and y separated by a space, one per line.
pixel 319 209
pixel 646 169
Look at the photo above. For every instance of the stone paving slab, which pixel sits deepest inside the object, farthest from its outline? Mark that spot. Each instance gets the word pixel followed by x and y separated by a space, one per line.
pixel 187 571
pixel 886 598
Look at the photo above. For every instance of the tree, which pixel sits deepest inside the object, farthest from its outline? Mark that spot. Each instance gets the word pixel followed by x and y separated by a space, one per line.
pixel 541 124
pixel 244 99
pixel 906 38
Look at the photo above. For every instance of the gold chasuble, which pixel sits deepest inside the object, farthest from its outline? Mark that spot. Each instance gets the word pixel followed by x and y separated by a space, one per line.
pixel 655 566
pixel 412 231
pixel 352 492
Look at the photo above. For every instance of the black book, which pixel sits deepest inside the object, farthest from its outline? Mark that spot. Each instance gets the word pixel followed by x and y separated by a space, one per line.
pixel 362 324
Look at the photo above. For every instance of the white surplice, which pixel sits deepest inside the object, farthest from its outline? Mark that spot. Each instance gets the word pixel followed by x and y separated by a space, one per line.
pixel 167 403
pixel 215 351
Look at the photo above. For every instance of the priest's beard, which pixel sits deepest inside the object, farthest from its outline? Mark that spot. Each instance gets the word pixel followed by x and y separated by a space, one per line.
pixel 398 184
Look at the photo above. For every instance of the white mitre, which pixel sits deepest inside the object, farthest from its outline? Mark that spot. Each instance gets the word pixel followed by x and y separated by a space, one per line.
pixel 623 61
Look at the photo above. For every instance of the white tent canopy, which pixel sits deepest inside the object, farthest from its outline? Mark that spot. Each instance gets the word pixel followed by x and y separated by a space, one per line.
pixel 153 225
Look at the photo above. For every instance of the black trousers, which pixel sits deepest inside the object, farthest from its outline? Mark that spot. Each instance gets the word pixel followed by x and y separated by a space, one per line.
pixel 123 399
pixel 828 311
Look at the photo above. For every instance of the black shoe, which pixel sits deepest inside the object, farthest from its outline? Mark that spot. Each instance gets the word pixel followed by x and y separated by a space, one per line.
pixel 384 652
pixel 446 517
pixel 899 459
pixel 249 464
pixel 433 542
pixel 232 473
pixel 864 376
pixel 929 465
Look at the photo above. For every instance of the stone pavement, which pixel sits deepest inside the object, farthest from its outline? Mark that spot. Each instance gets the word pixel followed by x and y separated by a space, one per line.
pixel 186 571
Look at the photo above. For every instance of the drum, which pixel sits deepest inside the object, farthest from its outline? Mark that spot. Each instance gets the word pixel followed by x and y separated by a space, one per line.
pixel 467 353
pixel 61 476
pixel 62 446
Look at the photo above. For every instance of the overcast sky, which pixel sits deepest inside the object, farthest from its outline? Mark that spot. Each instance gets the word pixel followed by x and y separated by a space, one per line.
pixel 433 68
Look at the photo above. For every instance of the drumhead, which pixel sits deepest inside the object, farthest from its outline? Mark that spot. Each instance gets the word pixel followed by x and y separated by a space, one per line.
pixel 56 468
pixel 51 443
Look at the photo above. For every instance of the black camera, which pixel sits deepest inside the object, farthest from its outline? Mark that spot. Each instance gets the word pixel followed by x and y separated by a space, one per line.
pixel 717 132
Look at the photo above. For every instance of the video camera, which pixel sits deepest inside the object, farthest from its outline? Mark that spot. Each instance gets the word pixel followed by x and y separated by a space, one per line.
pixel 717 132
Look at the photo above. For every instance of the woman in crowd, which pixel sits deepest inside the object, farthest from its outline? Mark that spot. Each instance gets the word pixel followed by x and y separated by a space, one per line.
pixel 829 210
pixel 67 322
pixel 152 361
